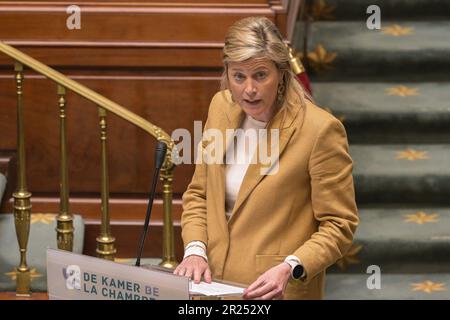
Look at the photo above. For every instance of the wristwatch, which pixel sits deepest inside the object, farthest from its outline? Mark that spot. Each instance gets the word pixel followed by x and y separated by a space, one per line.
pixel 297 269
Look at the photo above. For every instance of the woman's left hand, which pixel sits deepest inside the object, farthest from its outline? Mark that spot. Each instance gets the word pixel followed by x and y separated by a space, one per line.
pixel 271 284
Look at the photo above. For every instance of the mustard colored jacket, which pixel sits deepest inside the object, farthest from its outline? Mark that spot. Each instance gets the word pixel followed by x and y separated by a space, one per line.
pixel 306 209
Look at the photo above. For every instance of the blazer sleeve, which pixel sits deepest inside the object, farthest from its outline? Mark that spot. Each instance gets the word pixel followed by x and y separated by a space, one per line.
pixel 193 219
pixel 333 200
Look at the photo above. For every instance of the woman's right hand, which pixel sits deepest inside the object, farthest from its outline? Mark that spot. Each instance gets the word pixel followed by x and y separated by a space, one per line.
pixel 194 266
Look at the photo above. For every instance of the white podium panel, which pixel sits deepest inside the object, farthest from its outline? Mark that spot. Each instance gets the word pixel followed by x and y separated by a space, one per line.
pixel 73 276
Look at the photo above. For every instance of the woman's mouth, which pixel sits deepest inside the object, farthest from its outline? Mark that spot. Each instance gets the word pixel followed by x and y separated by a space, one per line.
pixel 252 102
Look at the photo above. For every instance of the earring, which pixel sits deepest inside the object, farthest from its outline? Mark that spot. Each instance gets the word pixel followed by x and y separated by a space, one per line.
pixel 280 91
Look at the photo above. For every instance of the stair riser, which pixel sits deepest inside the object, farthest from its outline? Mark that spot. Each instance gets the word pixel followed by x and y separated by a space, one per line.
pixel 400 257
pixel 391 9
pixel 372 132
pixel 402 189
pixel 398 67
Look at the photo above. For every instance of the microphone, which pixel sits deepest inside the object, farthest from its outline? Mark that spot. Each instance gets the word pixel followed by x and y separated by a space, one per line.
pixel 160 154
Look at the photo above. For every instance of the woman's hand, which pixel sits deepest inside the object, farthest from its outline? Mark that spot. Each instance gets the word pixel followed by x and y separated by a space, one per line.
pixel 271 284
pixel 194 265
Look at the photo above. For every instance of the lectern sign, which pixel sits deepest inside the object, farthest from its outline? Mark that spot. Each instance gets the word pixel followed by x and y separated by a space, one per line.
pixel 73 276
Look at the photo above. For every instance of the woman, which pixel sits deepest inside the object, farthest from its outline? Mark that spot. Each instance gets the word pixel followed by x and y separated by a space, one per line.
pixel 275 231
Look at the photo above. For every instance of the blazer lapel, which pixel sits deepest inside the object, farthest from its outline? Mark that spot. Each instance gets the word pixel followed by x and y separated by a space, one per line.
pixel 235 116
pixel 255 172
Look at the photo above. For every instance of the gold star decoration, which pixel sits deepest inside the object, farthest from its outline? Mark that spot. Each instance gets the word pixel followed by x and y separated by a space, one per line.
pixel 322 11
pixel 350 257
pixel 320 59
pixel 341 118
pixel 402 91
pixel 421 217
pixel 429 286
pixel 412 155
pixel 33 274
pixel 397 31
pixel 46 218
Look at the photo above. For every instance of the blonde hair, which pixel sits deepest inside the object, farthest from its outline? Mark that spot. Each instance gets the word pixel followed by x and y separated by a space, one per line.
pixel 258 37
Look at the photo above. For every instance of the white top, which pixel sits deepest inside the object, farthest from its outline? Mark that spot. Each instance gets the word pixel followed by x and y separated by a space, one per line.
pixel 239 158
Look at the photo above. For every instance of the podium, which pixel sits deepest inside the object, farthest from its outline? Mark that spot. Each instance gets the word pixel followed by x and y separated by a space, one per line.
pixel 72 276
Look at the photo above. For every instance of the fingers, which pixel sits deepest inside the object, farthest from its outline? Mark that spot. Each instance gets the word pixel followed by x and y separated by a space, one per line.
pixel 197 275
pixel 254 285
pixel 207 275
pixel 270 285
pixel 260 292
pixel 193 267
pixel 180 270
pixel 271 295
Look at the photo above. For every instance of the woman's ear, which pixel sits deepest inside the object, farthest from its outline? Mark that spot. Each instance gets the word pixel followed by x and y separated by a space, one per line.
pixel 281 76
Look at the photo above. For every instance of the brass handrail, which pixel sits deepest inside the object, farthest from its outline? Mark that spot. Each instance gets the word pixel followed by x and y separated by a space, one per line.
pixel 92 96
pixel 64 229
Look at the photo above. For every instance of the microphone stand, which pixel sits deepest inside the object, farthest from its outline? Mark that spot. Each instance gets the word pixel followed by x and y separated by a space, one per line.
pixel 160 153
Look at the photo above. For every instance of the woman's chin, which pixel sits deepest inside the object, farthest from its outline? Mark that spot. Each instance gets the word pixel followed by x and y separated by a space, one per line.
pixel 252 109
pixel 255 112
pixel 251 112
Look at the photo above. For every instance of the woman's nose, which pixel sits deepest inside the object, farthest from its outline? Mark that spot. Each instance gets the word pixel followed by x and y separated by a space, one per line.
pixel 250 88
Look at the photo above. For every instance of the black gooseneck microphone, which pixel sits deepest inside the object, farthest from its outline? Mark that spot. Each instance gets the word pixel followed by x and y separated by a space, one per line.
pixel 160 154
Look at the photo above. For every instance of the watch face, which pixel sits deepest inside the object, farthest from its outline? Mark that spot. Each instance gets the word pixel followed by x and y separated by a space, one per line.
pixel 297 272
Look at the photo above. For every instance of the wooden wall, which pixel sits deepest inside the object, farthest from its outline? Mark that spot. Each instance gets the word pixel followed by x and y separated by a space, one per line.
pixel 159 59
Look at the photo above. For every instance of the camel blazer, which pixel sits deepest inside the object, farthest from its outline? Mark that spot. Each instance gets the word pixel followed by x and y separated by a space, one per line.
pixel 306 209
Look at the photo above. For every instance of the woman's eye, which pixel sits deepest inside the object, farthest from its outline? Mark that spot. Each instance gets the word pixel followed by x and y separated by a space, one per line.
pixel 260 75
pixel 238 77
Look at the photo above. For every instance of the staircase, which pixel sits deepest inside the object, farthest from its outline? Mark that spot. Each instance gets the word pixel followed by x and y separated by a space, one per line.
pixel 391 90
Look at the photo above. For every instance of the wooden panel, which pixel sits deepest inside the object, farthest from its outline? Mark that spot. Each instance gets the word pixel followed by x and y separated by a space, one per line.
pixel 62 55
pixel 184 3
pixel 128 234
pixel 121 208
pixel 130 149
pixel 6 159
pixel 107 23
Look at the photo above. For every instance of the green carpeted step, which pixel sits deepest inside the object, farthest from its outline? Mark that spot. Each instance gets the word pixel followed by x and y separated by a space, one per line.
pixel 390 9
pixel 401 173
pixel 393 286
pixel 383 112
pixel 399 240
pixel 351 52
